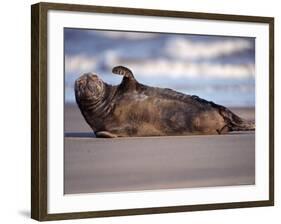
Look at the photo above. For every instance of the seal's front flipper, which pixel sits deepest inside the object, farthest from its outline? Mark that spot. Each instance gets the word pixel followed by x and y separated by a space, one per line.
pixel 105 134
pixel 129 83
pixel 121 70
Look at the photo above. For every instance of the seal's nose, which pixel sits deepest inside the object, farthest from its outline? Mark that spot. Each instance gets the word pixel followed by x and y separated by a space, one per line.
pixel 85 76
pixel 89 77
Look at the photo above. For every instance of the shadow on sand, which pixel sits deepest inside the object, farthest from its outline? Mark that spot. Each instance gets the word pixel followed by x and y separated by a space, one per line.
pixel 92 134
pixel 80 134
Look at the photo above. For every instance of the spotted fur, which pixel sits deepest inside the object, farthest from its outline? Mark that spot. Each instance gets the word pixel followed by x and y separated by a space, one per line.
pixel 134 109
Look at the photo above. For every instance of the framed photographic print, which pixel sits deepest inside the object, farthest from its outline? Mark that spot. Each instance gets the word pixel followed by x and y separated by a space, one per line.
pixel 139 111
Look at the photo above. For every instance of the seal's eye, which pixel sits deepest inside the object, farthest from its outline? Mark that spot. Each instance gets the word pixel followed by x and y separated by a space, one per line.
pixel 81 82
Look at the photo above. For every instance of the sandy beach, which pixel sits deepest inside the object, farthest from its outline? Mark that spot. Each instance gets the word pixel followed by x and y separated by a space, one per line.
pixel 131 164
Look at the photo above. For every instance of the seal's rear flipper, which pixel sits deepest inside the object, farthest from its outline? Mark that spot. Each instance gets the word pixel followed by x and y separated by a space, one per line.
pixel 225 129
pixel 245 126
pixel 121 70
pixel 234 122
pixel 105 134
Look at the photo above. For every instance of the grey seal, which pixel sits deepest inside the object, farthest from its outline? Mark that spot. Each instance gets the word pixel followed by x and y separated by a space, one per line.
pixel 135 109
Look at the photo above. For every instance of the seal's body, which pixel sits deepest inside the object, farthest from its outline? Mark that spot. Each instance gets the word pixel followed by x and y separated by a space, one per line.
pixel 134 109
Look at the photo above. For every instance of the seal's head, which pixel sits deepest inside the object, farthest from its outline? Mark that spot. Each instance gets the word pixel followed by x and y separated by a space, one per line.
pixel 89 87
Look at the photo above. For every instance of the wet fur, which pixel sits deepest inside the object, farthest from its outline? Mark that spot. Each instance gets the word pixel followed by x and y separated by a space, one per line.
pixel 134 109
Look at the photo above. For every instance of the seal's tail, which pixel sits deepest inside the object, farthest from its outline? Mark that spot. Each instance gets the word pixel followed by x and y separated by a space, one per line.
pixel 235 122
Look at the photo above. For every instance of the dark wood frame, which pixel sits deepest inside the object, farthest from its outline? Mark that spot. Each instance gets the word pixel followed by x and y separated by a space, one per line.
pixel 39 110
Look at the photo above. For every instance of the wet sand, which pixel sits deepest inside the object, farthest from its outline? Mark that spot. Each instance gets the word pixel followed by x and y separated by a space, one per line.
pixel 131 164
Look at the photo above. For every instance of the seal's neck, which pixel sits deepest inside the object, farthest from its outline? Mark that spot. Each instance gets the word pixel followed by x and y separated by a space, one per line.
pixel 101 107
pixel 95 109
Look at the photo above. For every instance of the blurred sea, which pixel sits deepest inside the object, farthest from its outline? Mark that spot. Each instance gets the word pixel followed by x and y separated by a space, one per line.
pixel 217 68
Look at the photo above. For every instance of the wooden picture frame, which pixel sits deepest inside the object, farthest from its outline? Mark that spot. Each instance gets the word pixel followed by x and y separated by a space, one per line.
pixel 39 110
